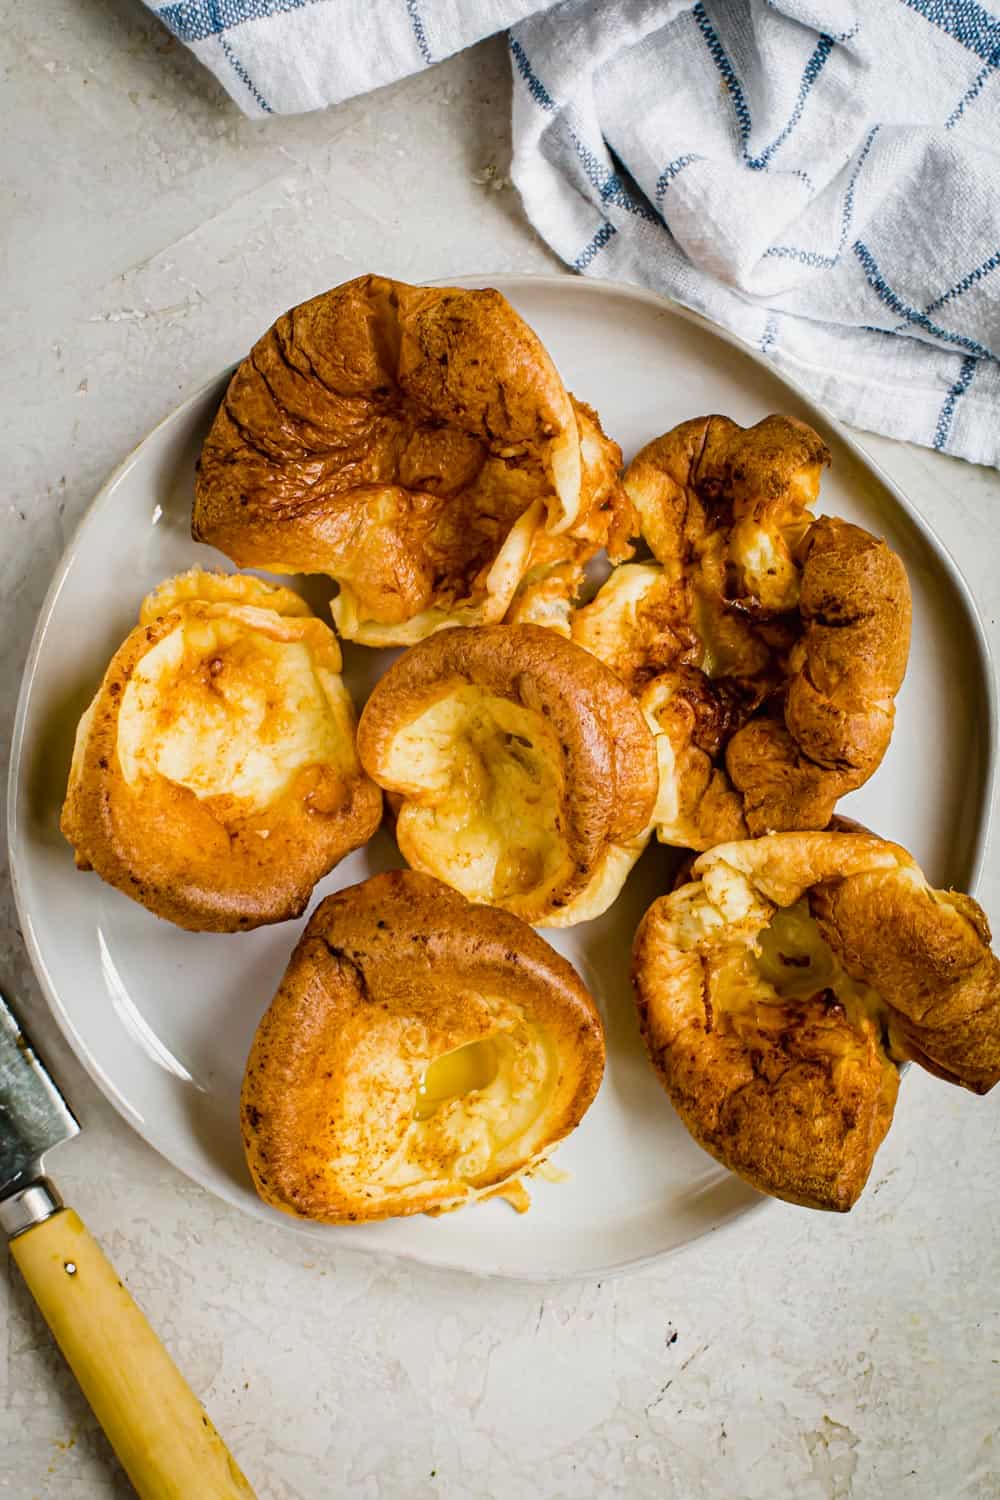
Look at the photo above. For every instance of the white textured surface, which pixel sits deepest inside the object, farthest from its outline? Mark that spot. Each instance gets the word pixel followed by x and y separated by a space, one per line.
pixel 150 234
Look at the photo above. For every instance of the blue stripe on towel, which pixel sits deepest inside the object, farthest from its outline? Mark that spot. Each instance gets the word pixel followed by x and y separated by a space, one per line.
pixel 974 90
pixel 964 21
pixel 242 74
pixel 965 378
pixel 718 55
pixel 841 36
pixel 417 22
pixel 608 183
pixel 615 192
pixel 194 20
pixel 669 172
pixel 961 287
pixel 805 257
pixel 966 283
pixel 813 257
pixel 536 87
pixel 589 252
pixel 912 315
pixel 598 175
pixel 741 108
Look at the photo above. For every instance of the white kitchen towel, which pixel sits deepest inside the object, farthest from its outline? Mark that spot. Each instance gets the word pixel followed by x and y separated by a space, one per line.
pixel 283 57
pixel 820 176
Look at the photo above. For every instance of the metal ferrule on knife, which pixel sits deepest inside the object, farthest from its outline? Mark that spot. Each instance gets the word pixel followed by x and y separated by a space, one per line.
pixel 28 1206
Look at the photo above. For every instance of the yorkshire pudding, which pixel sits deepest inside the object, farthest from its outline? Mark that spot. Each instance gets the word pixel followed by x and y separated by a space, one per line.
pixel 420 1053
pixel 215 777
pixel 556 564
pixel 779 989
pixel 411 442
pixel 765 646
pixel 524 772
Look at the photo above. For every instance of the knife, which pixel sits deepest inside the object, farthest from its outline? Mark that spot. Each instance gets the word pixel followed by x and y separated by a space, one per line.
pixel 156 1425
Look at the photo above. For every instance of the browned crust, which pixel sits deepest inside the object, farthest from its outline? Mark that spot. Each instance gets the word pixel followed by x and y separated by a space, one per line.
pixel 556 567
pixel 708 470
pixel 399 945
pixel 390 436
pixel 696 716
pixel 608 759
pixel 798 1100
pixel 839 705
pixel 163 846
pixel 799 1114
pixel 938 975
pixel 661 639
pixel 819 659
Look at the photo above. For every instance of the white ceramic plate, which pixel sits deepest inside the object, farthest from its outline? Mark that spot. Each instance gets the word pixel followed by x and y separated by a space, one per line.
pixel 163 1019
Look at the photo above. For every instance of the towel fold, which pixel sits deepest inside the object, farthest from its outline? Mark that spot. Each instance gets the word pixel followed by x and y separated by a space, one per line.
pixel 822 177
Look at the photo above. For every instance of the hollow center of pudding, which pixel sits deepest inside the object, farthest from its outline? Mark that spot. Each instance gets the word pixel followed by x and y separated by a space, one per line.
pixel 227 710
pixel 480 1109
pixel 456 1074
pixel 476 1113
pixel 794 957
pixel 789 1010
pixel 484 786
pixel 794 969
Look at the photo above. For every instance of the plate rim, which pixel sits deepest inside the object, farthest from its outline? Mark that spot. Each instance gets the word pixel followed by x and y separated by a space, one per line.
pixel 556 283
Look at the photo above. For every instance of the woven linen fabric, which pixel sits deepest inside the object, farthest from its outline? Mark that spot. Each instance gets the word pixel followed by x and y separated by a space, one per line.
pixel 287 56
pixel 821 177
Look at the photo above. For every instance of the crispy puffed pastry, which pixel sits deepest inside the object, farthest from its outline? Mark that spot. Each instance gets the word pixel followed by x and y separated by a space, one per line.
pixel 522 769
pixel 420 1053
pixel 557 562
pixel 766 646
pixel 779 989
pixel 413 443
pixel 215 775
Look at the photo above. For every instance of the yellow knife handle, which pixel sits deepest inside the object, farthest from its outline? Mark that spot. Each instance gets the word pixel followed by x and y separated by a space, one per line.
pixel 156 1425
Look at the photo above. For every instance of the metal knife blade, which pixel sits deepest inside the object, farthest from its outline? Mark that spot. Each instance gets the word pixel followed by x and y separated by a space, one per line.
pixel 34 1116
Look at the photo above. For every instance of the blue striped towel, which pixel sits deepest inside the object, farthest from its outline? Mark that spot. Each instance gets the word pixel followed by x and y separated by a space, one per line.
pixel 822 177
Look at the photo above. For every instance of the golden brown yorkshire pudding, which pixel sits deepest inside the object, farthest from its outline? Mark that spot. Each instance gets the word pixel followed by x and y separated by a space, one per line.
pixel 778 990
pixel 420 1053
pixel 556 563
pixel 524 771
pixel 408 441
pixel 766 646
pixel 215 777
